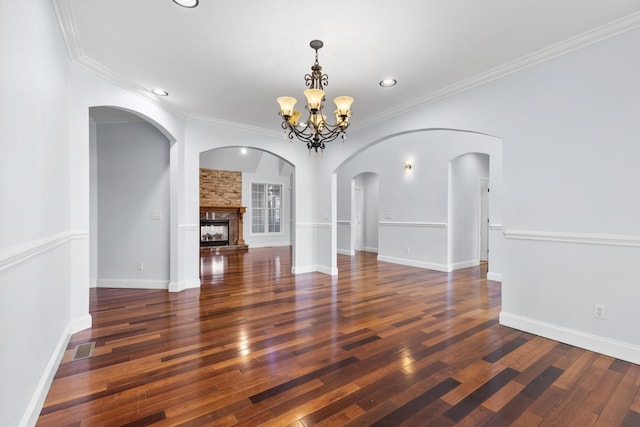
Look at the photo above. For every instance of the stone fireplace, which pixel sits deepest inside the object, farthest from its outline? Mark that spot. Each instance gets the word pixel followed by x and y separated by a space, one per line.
pixel 222 227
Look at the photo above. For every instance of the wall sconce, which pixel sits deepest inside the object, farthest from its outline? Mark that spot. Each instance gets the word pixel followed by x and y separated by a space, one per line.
pixel 407 166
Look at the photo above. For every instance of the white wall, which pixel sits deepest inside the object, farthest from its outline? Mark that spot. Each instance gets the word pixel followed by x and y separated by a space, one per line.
pixel 35 233
pixel 267 172
pixel 133 206
pixel 466 171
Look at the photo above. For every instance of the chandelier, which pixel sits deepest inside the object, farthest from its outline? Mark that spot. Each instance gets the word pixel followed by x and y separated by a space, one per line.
pixel 315 131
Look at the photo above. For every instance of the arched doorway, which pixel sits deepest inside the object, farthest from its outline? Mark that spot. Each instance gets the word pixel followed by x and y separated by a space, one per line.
pixel 130 214
pixel 255 180
pixel 364 212
pixel 417 227
pixel 468 210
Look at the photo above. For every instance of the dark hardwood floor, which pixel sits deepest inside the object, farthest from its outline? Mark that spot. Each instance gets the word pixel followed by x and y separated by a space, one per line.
pixel 381 344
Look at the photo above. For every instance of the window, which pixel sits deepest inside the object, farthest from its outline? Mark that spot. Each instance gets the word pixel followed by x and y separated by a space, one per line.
pixel 266 200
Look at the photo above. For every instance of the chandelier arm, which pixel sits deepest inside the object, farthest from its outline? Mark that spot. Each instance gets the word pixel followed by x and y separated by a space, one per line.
pixel 298 133
pixel 330 133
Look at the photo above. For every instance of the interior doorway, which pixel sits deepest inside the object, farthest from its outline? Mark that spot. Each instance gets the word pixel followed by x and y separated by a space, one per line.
pixel 468 210
pixel 364 212
pixel 130 201
pixel 252 179
pixel 358 215
pixel 484 221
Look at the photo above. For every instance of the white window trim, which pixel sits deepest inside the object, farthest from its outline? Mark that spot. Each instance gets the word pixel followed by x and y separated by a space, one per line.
pixel 250 209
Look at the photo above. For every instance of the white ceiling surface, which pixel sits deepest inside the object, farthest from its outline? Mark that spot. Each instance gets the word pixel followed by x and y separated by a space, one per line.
pixel 240 159
pixel 227 61
pixel 231 158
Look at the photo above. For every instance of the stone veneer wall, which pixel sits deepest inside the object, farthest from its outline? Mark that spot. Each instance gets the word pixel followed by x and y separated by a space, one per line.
pixel 220 188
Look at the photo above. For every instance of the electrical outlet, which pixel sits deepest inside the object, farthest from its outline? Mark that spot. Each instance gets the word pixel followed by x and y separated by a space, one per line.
pixel 140 266
pixel 599 311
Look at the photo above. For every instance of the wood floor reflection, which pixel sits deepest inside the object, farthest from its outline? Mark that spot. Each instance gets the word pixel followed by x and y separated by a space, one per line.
pixel 380 344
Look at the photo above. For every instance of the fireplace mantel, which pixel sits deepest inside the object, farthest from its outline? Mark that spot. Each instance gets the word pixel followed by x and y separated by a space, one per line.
pixel 232 213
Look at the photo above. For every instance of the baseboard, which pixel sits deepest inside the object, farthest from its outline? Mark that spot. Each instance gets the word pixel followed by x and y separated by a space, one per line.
pixel 598 344
pixel 303 269
pixel 496 277
pixel 346 252
pixel 267 245
pixel 463 264
pixel 32 412
pixel 328 270
pixel 132 284
pixel 314 269
pixel 185 284
pixel 413 263
pixel 80 323
pixel 370 249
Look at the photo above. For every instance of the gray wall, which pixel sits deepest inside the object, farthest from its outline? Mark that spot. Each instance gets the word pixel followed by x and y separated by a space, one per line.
pixel 464 204
pixel 132 206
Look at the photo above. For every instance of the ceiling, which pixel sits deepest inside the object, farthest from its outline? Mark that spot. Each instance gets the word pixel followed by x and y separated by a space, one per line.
pixel 242 159
pixel 227 61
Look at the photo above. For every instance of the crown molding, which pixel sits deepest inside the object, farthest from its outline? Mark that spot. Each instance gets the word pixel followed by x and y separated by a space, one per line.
pixel 77 56
pixel 234 125
pixel 74 49
pixel 571 44
pixel 119 80
pixel 68 29
pixel 614 28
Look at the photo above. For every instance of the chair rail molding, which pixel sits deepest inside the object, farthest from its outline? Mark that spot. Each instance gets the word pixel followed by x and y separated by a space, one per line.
pixel 21 252
pixel 413 224
pixel 189 227
pixel 581 238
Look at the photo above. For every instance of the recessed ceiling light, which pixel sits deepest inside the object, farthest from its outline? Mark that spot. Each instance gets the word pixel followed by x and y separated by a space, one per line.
pixel 159 92
pixel 186 3
pixel 388 82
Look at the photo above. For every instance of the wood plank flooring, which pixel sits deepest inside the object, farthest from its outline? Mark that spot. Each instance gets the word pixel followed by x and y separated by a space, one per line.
pixel 381 345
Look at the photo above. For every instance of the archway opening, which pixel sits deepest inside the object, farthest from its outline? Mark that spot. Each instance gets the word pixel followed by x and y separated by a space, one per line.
pixel 364 213
pixel 259 186
pixel 468 210
pixel 130 213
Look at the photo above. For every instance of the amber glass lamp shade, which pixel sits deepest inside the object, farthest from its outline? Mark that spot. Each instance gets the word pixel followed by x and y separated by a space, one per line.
pixel 314 99
pixel 318 121
pixel 295 116
pixel 286 105
pixel 343 105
